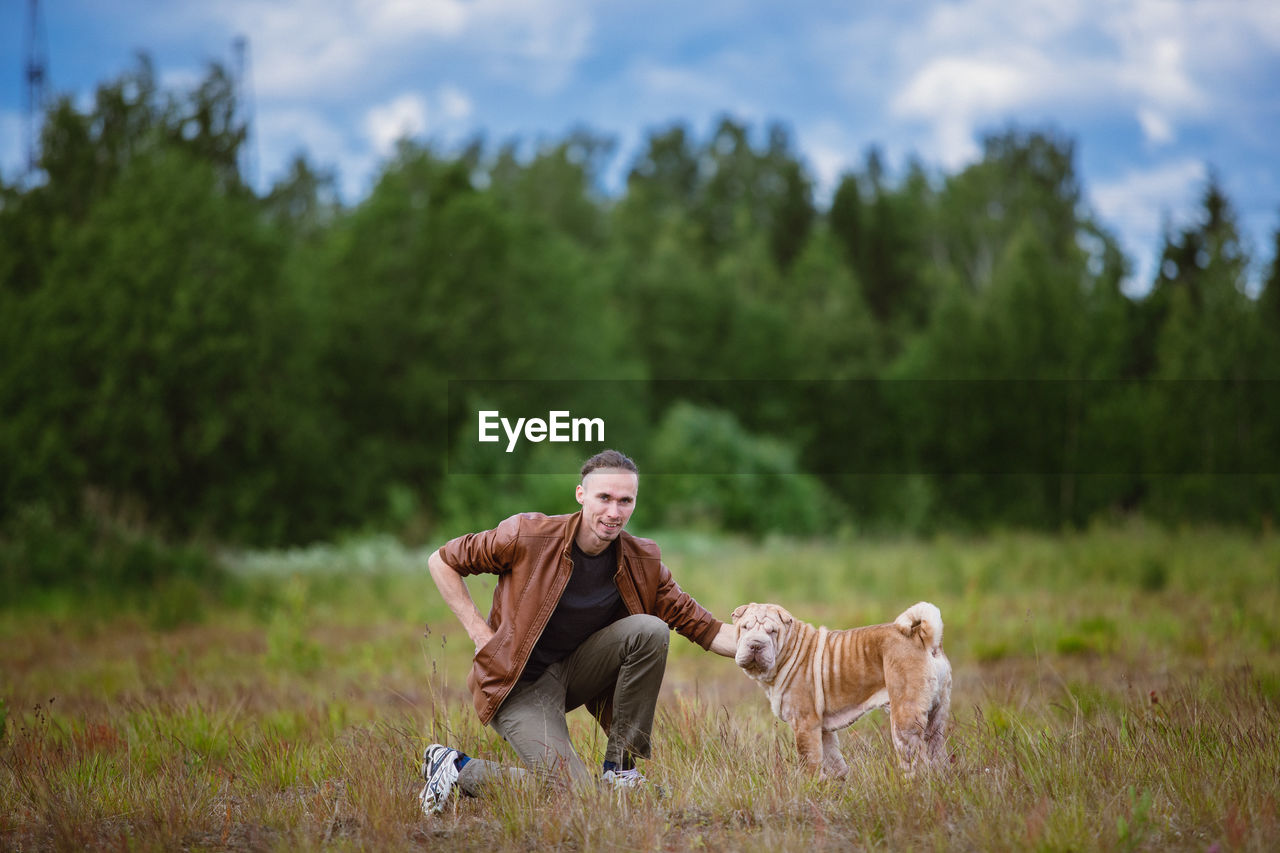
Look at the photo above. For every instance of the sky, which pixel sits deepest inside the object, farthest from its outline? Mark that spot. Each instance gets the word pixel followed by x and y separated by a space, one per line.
pixel 1156 94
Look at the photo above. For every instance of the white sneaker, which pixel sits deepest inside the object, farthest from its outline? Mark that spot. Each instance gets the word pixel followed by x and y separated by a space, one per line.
pixel 623 779
pixel 440 771
pixel 631 780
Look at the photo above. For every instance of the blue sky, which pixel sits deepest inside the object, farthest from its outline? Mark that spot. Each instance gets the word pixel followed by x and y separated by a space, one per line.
pixel 1155 92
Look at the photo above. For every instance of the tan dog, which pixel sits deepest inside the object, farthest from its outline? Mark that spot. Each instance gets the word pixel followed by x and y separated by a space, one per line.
pixel 820 681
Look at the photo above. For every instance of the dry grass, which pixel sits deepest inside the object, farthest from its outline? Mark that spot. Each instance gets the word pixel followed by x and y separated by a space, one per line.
pixel 1114 690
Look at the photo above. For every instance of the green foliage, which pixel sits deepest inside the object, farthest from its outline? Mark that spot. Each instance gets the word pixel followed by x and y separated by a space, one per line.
pixel 149 349
pixel 110 561
pixel 276 369
pixel 883 232
pixel 737 481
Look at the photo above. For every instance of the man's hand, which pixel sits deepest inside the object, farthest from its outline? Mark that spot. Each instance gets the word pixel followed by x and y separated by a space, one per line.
pixel 726 641
pixel 480 638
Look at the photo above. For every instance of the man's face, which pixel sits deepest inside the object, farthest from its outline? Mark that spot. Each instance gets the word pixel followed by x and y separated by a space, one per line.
pixel 608 497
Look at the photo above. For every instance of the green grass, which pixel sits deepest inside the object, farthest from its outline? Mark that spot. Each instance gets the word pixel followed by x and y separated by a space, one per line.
pixel 1116 689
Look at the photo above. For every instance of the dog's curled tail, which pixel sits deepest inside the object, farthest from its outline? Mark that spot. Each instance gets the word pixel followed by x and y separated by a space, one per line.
pixel 922 620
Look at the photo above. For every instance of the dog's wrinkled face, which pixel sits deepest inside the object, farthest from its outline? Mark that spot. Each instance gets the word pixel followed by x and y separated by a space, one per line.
pixel 762 630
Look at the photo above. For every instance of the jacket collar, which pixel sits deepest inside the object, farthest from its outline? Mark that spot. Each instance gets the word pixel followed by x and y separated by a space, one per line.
pixel 575 521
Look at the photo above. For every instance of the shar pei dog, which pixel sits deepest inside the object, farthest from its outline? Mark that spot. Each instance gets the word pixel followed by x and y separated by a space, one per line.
pixel 820 681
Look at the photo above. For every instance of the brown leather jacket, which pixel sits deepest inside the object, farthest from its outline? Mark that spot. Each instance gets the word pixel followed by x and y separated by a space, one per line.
pixel 530 554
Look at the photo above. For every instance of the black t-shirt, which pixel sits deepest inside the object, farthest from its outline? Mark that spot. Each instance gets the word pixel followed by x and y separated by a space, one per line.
pixel 589 602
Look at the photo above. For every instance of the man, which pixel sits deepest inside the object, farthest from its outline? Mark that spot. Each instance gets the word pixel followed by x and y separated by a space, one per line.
pixel 581 616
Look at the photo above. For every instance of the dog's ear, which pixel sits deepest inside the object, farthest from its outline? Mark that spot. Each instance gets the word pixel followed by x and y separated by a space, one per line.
pixel 738 611
pixel 785 616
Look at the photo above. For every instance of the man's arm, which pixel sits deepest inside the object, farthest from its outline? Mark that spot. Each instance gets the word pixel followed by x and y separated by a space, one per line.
pixel 678 609
pixel 726 641
pixel 455 594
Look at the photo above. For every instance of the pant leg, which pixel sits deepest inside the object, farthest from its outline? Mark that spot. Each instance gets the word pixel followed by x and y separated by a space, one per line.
pixel 631 657
pixel 479 773
pixel 532 720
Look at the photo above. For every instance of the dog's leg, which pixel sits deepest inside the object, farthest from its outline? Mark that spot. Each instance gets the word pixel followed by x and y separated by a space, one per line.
pixel 935 733
pixel 833 763
pixel 908 726
pixel 809 744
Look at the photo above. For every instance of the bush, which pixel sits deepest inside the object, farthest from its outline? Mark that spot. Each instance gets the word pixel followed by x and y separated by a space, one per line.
pixel 96 556
pixel 736 481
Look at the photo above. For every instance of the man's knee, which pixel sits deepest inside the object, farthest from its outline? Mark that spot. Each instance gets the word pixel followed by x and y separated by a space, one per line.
pixel 648 632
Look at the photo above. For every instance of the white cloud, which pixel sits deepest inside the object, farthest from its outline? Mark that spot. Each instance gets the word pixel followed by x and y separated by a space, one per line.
pixel 717 84
pixel 1139 202
pixel 1152 73
pixel 454 104
pixel 1142 194
pixel 1156 126
pixel 282 134
pixel 1157 63
pixel 545 46
pixel 970 64
pixel 828 151
pixel 404 116
pixel 668 81
pixel 330 47
pixel 965 85
pixel 416 17
pixel 828 163
pixel 954 94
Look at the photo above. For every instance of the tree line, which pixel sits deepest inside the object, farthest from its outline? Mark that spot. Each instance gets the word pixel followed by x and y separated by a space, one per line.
pixel 182 354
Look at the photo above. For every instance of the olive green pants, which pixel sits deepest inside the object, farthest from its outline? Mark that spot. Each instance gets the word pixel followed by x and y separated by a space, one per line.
pixel 630 656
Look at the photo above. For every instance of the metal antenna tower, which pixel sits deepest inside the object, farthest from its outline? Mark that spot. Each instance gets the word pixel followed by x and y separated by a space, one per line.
pixel 36 74
pixel 244 106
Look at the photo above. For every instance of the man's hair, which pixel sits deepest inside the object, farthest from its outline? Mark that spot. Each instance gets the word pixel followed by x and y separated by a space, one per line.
pixel 609 459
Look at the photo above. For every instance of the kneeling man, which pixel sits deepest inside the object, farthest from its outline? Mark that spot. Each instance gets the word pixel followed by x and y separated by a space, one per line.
pixel 581 616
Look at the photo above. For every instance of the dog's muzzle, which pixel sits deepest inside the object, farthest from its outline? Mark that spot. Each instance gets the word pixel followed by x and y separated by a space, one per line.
pixel 755 654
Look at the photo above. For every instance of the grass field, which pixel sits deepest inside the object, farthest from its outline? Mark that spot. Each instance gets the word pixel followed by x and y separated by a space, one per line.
pixel 1116 689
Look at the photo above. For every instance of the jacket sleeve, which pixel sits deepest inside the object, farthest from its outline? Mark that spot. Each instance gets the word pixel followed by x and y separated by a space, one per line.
pixel 679 610
pixel 489 551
